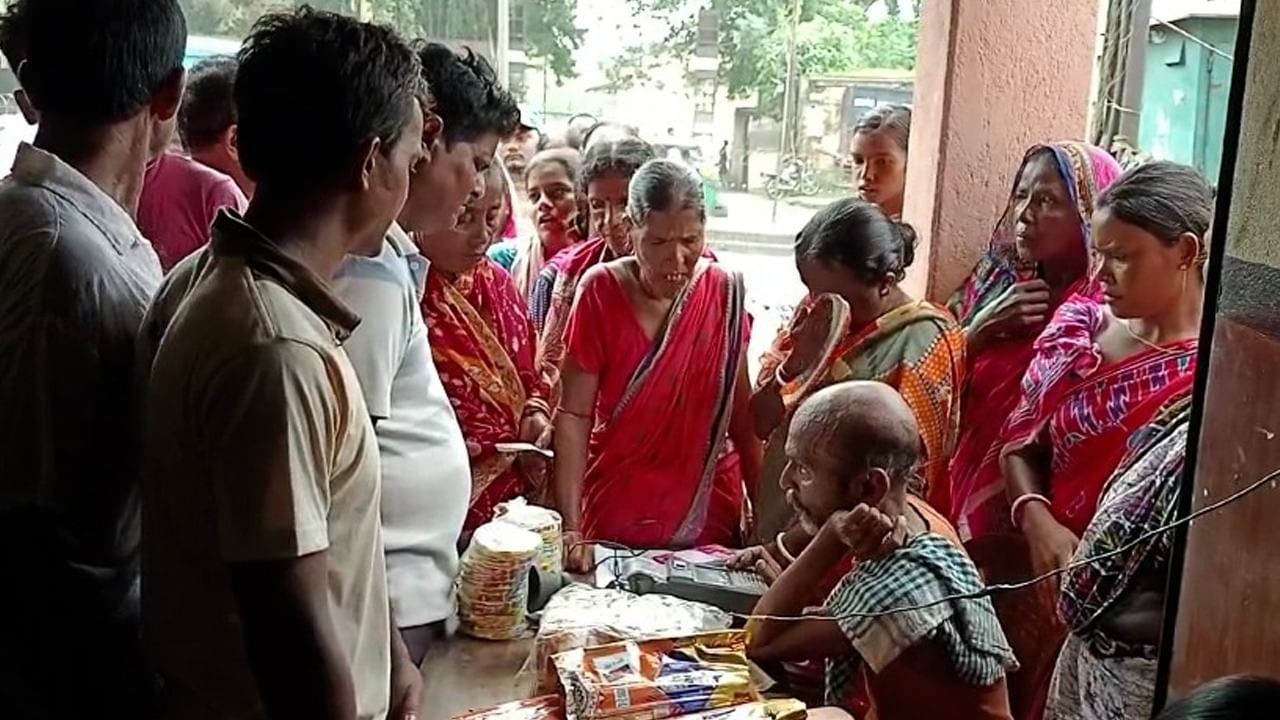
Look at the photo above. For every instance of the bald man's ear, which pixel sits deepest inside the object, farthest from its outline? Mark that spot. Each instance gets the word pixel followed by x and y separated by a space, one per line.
pixel 876 487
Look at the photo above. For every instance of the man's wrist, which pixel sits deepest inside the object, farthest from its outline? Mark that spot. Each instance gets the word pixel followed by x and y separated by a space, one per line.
pixel 828 541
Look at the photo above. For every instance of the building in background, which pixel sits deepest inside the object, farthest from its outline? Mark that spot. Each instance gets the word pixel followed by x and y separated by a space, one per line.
pixel 1189 61
pixel 834 102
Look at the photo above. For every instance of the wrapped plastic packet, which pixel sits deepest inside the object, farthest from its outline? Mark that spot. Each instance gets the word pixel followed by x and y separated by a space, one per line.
pixel 581 616
pixel 493 581
pixel 654 679
pixel 545 522
pixel 549 707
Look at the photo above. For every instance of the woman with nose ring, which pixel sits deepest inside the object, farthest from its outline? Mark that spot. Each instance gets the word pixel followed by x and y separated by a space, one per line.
pixel 603 180
pixel 654 442
pixel 1038 257
pixel 1103 369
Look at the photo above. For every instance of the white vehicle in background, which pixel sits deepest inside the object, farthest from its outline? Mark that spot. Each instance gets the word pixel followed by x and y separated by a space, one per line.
pixel 15 130
pixel 200 47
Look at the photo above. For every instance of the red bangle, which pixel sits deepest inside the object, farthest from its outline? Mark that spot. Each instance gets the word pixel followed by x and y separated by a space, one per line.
pixel 1019 505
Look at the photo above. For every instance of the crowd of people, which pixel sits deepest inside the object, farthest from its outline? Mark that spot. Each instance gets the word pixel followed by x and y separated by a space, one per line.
pixel 259 384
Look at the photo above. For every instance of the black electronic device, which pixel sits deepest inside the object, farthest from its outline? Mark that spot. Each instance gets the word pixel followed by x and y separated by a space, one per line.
pixel 715 584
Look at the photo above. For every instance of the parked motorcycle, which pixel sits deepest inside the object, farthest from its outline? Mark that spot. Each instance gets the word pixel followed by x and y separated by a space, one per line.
pixel 795 178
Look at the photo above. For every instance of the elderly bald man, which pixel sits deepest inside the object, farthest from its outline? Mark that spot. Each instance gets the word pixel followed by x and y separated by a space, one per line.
pixel 851 452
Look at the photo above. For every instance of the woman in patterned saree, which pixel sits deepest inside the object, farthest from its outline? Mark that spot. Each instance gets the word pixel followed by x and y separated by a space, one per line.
pixel 605 175
pixel 1038 256
pixel 482 343
pixel 1114 608
pixel 1102 371
pixel 853 250
pixel 654 445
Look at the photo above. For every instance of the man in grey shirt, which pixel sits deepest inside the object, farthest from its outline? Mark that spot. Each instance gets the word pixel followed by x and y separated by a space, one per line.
pixel 75 279
pixel 426 474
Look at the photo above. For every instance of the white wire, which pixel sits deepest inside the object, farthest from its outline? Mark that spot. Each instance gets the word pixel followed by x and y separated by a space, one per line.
pixel 990 590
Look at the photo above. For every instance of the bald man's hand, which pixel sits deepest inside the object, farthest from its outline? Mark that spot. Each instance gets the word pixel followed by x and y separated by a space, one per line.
pixel 869 533
pixel 760 559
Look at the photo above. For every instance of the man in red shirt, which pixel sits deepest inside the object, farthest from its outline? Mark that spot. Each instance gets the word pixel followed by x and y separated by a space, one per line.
pixel 208 120
pixel 180 199
pixel 181 195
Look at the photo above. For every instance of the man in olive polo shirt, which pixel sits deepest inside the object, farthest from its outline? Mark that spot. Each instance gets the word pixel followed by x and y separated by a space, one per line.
pixel 265 591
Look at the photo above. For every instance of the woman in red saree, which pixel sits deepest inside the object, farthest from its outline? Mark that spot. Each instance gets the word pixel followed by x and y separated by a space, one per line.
pixel 483 344
pixel 1038 256
pixel 1102 371
pixel 654 445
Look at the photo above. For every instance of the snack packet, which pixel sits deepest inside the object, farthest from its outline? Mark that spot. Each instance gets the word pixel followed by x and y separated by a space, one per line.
pixel 493 581
pixel 654 679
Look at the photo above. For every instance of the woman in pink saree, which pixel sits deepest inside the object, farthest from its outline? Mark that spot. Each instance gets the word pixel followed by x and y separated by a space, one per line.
pixel 1102 370
pixel 654 444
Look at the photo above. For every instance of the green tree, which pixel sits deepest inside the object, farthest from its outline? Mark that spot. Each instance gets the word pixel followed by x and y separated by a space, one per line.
pixel 833 36
pixel 550 32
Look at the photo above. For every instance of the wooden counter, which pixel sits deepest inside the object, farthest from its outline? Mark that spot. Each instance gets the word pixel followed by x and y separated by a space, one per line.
pixel 464 673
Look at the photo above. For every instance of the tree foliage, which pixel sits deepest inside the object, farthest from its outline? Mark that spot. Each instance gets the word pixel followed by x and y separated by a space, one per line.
pixel 833 36
pixel 549 25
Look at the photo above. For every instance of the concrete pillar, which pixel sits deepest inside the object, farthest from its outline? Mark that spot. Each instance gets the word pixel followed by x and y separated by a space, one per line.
pixel 1229 588
pixel 992 77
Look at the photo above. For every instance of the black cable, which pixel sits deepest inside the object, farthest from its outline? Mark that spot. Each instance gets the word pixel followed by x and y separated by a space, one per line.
pixel 632 553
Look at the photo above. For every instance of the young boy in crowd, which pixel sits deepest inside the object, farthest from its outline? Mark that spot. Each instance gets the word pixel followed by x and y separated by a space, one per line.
pixel 266 591
pixel 207 118
pixel 181 196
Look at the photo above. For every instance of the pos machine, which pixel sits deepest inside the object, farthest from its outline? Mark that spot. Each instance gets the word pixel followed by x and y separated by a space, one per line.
pixel 683 575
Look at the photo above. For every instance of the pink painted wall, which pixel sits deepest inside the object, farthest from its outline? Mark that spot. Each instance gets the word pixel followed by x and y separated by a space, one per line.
pixel 992 78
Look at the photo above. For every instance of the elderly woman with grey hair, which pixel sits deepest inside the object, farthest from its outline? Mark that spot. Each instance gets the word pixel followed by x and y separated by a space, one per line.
pixel 654 442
